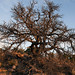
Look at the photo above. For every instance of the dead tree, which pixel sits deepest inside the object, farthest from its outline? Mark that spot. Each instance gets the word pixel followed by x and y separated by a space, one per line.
pixel 42 28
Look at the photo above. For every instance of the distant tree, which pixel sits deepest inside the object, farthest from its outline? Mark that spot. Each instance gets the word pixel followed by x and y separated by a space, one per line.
pixel 40 27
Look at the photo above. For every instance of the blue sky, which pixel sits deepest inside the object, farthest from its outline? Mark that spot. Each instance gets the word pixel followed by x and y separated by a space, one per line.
pixel 67 9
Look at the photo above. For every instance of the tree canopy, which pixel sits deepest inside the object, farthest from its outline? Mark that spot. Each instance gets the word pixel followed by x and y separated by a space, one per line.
pixel 42 28
pixel 47 34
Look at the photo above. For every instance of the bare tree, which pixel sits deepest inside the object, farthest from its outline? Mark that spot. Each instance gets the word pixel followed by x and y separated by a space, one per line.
pixel 42 28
